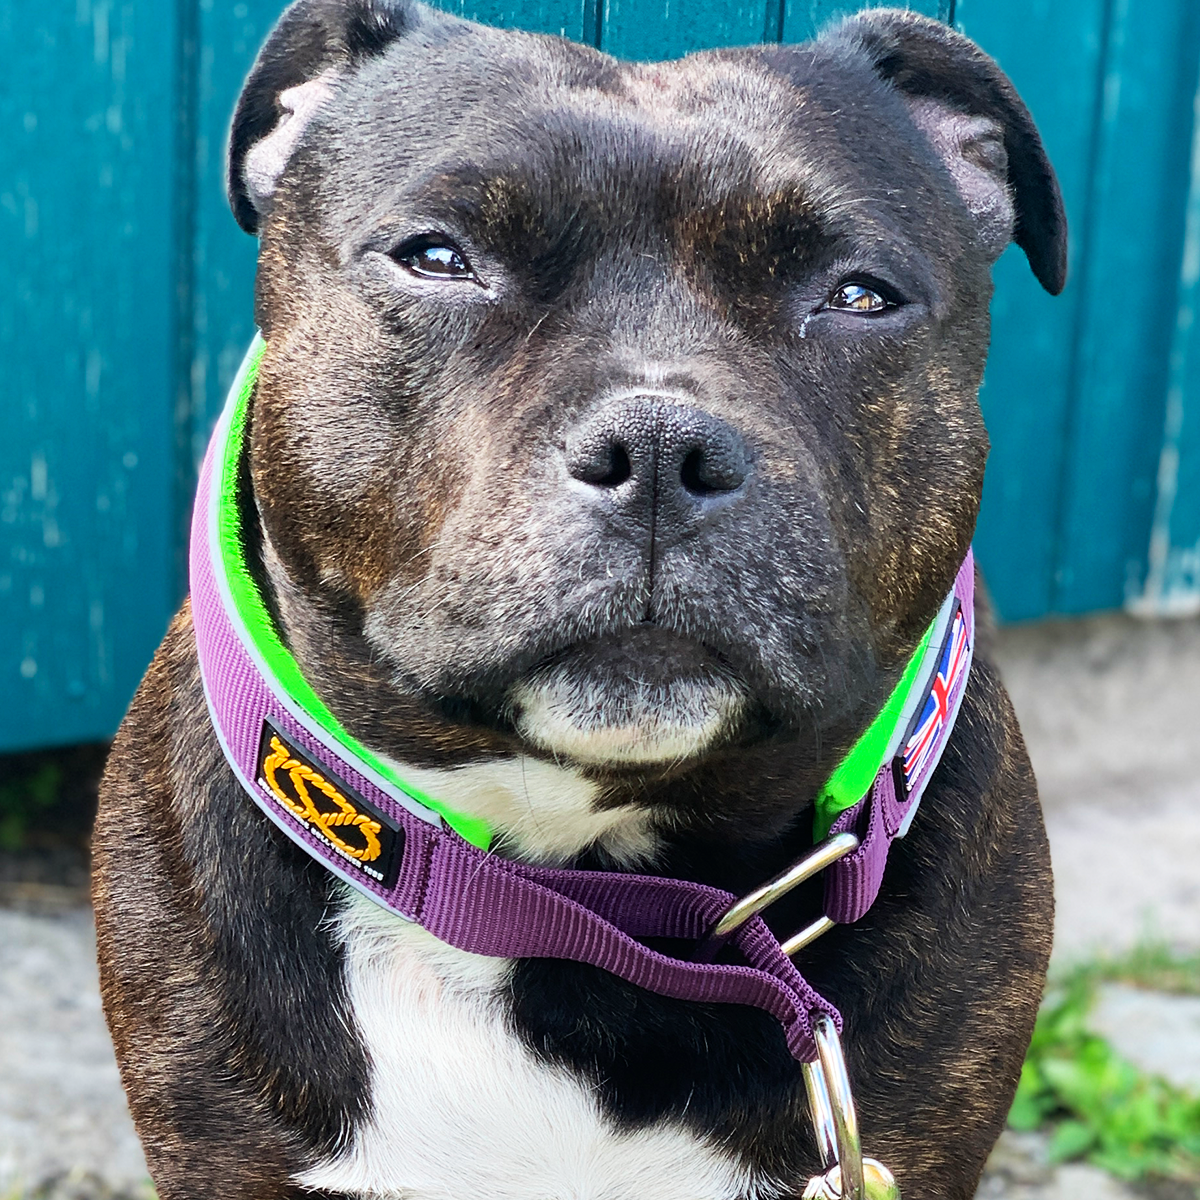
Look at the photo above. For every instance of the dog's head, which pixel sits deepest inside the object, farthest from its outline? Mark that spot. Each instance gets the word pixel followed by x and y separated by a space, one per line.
pixel 623 415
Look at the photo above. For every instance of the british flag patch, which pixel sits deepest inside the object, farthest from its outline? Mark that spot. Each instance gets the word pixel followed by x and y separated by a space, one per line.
pixel 933 718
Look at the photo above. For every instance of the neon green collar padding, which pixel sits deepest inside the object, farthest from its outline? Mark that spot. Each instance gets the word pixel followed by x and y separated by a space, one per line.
pixel 848 784
pixel 260 628
pixel 854 776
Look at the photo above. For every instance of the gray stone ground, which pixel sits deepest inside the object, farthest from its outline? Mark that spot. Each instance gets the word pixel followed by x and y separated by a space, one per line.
pixel 1111 712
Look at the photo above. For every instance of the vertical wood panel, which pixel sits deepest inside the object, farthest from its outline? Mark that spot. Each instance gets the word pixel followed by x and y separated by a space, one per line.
pixel 223 257
pixel 563 17
pixel 1128 303
pixel 1027 389
pixel 1173 570
pixel 650 29
pixel 804 18
pixel 86 330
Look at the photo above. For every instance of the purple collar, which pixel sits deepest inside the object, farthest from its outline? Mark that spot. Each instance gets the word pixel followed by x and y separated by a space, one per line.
pixel 383 841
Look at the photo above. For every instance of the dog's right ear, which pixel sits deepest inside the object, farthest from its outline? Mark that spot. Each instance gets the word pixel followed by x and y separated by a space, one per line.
pixel 969 110
pixel 314 43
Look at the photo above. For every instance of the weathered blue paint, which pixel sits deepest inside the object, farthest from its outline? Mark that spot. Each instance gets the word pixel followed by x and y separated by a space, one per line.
pixel 1026 389
pixel 1079 389
pixel 803 18
pixel 1172 583
pixel 87 241
pixel 128 302
pixel 1128 301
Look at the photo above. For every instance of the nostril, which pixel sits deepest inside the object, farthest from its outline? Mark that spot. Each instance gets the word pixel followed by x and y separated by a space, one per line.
pixel 607 466
pixel 619 468
pixel 692 475
pixel 704 474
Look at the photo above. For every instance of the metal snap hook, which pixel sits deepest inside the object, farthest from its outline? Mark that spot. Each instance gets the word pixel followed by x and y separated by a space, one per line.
pixel 848 1175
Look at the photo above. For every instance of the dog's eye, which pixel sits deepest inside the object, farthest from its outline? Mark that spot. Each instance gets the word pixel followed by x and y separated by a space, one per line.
pixel 433 259
pixel 858 297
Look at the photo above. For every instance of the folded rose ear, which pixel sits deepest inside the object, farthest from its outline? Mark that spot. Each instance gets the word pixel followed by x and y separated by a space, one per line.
pixel 265 160
pixel 970 111
pixel 314 44
pixel 973 149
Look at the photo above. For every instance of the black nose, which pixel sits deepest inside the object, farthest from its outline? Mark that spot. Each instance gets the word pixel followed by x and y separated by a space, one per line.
pixel 655 454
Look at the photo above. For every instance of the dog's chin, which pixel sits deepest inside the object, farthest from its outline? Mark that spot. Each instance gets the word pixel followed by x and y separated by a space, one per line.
pixel 644 698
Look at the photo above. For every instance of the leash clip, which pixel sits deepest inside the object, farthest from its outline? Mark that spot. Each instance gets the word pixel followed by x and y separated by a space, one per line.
pixel 848 1175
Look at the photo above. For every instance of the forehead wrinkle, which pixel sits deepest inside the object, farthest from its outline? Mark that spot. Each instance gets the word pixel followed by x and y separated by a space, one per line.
pixel 647 131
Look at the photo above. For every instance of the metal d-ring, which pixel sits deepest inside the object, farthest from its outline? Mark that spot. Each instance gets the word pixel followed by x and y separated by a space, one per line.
pixel 824 855
pixel 848 1175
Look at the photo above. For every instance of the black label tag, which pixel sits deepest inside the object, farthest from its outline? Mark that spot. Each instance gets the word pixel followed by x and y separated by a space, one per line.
pixel 364 837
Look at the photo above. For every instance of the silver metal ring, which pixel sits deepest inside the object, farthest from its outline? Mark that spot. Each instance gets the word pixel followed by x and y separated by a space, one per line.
pixel 750 905
pixel 807 936
pixel 821 1110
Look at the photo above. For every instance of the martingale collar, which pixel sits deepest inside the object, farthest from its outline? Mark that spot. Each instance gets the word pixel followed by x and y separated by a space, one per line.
pixel 418 858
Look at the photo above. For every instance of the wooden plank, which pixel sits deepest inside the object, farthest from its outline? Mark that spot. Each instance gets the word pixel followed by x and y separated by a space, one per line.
pixel 1129 293
pixel 1027 393
pixel 564 17
pixel 656 29
pixel 1172 585
pixel 802 19
pixel 223 258
pixel 87 245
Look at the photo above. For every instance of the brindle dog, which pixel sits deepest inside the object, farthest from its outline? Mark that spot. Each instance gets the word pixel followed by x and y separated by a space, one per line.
pixel 616 439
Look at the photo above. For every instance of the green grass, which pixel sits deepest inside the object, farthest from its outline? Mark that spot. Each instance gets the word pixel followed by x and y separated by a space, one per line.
pixel 1097 1106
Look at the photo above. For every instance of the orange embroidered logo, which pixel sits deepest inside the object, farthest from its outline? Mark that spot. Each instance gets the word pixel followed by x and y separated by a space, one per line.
pixel 327 806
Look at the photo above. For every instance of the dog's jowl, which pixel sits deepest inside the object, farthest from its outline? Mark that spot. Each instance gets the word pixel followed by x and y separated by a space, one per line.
pixel 599 496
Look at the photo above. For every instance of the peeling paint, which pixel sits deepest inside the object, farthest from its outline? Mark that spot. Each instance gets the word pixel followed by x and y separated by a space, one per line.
pixel 93 368
pixel 38 476
pixel 100 46
pixel 1172 587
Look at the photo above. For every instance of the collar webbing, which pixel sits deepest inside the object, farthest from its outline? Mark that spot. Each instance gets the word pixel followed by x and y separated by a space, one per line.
pixel 852 778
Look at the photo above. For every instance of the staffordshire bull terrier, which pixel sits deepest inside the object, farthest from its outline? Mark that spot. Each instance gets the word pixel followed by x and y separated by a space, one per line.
pixel 612 458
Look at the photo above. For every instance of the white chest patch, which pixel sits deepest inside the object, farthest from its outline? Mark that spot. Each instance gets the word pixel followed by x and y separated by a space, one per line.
pixel 542 812
pixel 460 1109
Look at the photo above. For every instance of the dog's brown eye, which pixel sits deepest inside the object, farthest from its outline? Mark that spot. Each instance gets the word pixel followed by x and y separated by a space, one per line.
pixel 858 298
pixel 434 260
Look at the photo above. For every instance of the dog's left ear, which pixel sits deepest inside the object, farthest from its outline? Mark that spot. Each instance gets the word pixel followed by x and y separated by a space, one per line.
pixel 970 111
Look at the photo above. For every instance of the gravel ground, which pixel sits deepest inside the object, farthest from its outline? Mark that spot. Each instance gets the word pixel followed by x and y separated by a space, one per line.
pixel 61 1106
pixel 1110 709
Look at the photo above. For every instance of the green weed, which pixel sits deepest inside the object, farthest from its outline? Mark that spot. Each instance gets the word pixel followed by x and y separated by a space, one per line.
pixel 21 799
pixel 1096 1105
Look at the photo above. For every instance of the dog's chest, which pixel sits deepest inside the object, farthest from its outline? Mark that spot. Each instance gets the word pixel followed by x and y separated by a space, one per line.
pixel 461 1108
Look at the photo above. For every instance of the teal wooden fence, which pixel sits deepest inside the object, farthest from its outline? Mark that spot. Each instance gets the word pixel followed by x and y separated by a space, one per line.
pixel 125 304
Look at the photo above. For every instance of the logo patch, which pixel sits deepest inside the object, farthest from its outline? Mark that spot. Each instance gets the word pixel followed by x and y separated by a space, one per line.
pixel 931 720
pixel 362 835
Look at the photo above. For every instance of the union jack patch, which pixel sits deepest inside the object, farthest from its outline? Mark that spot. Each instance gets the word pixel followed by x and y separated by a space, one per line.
pixel 931 722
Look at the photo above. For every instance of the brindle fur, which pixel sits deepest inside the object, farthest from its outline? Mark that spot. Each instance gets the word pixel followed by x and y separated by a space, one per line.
pixel 407 531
